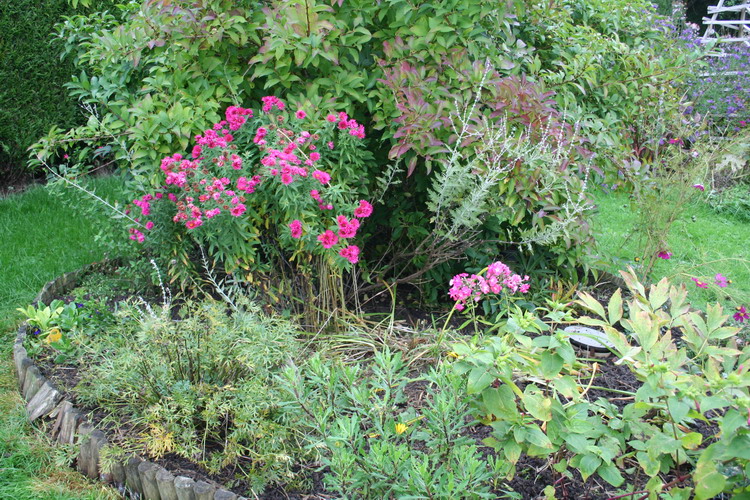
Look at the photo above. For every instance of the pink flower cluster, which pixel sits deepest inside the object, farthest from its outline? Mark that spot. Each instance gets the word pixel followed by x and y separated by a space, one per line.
pixel 270 102
pixel 343 122
pixel 210 181
pixel 498 277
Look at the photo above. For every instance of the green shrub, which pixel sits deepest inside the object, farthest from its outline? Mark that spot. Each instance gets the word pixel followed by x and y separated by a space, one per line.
pixel 405 72
pixel 201 387
pixel 529 385
pixel 375 441
pixel 33 99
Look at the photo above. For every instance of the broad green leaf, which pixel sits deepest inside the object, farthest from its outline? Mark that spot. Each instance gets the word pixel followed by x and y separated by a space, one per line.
pixel 479 379
pixel 614 307
pixel 535 436
pixel 691 440
pixel 590 303
pixel 611 474
pixel 539 406
pixel 551 364
pixel 588 465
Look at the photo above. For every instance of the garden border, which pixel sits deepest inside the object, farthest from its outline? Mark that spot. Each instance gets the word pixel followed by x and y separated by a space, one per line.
pixel 134 478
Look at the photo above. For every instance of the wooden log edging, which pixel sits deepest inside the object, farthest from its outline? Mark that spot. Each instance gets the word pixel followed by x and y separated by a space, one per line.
pixel 134 478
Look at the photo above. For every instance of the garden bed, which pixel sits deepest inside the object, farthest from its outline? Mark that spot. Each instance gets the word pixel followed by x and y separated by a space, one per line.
pixel 48 386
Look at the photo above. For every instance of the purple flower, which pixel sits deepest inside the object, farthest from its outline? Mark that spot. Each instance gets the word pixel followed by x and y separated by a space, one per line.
pixel 741 314
pixel 665 255
pixel 700 187
pixel 699 283
pixel 721 281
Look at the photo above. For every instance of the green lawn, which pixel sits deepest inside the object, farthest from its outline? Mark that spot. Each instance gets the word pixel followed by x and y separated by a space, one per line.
pixel 42 238
pixel 703 243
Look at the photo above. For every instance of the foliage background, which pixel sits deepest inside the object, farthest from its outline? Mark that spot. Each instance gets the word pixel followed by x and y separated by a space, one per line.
pixel 32 76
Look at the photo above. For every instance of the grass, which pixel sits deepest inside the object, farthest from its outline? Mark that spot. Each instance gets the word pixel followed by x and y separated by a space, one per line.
pixel 703 243
pixel 43 237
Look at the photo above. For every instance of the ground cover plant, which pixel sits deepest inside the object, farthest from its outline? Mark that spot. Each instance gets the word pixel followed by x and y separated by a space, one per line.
pixel 348 248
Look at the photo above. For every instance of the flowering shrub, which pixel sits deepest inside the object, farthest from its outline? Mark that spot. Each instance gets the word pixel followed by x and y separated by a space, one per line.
pixel 269 171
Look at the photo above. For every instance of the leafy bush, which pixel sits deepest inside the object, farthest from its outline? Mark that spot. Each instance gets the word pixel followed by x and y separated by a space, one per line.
pixel 33 98
pixel 519 176
pixel 611 64
pixel 379 444
pixel 201 387
pixel 533 391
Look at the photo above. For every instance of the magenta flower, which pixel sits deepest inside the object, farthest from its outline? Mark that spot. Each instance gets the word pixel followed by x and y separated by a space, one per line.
pixel 363 210
pixel 498 277
pixel 149 225
pixel 347 228
pixel 237 210
pixel 721 281
pixel 741 314
pixel 665 255
pixel 699 283
pixel 300 114
pixel 322 177
pixel 296 228
pixel 328 239
pixel 699 187
pixel 350 253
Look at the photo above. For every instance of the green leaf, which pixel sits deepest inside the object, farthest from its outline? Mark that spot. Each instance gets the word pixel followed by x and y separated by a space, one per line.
pixel 708 483
pixel 535 436
pixel 479 379
pixel 588 465
pixel 551 363
pixel 539 406
pixel 590 303
pixel 611 474
pixel 678 409
pixel 691 440
pixel 614 308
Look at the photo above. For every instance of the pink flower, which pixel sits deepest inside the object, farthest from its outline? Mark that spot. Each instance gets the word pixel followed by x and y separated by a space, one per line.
pixel 363 210
pixel 296 228
pixel 321 176
pixel 193 223
pixel 315 156
pixel 331 118
pixel 328 239
pixel 350 253
pixel 330 145
pixel 699 187
pixel 300 114
pixel 741 315
pixel 665 255
pixel 149 225
pixel 498 277
pixel 699 283
pixel 237 210
pixel 721 281
pixel 347 228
